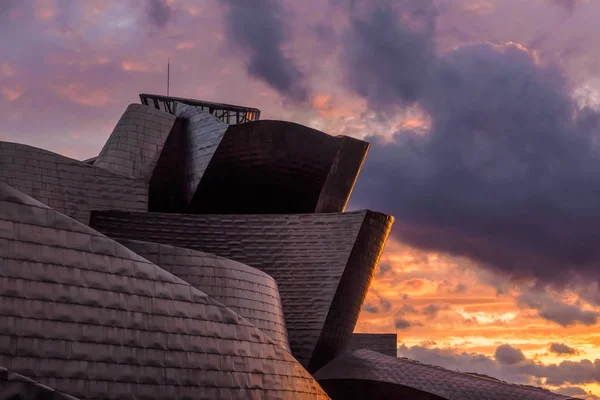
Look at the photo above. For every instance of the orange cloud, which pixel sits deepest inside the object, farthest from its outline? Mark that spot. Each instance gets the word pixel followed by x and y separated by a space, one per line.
pixel 12 94
pixel 185 45
pixel 133 66
pixel 80 94
pixel 7 69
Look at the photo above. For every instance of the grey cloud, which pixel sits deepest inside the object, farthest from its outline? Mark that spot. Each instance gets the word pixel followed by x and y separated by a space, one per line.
pixel 523 372
pixel 431 310
pixel 404 324
pixel 568 5
pixel 370 308
pixel 387 62
pixel 561 349
pixel 554 310
pixel 506 174
pixel 384 269
pixel 506 354
pixel 159 12
pixel 258 29
pixel 384 304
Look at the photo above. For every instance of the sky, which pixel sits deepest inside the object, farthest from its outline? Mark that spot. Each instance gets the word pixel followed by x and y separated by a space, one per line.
pixel 483 117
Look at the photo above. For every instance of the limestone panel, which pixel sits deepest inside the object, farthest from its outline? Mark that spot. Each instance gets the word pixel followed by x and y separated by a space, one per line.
pixel 89 317
pixel 279 167
pixel 368 374
pixel 71 187
pixel 385 343
pixel 248 291
pixel 135 144
pixel 307 254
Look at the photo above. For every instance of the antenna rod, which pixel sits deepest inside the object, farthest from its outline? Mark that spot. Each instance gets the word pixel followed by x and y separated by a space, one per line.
pixel 168 74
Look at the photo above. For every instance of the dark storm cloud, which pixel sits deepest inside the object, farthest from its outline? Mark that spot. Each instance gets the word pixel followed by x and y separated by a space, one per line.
pixel 561 349
pixel 388 62
pixel 258 29
pixel 524 371
pixel 506 354
pixel 159 12
pixel 507 174
pixel 556 311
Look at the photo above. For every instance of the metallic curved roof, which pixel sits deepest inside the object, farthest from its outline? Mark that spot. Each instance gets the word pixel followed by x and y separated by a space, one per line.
pixel 367 365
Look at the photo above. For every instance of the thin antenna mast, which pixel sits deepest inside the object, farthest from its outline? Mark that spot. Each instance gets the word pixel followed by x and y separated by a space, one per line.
pixel 168 74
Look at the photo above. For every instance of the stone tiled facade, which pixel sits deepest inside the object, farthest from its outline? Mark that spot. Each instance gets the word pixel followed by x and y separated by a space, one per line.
pixel 368 374
pixel 249 292
pixel 136 143
pixel 87 316
pixel 307 254
pixel 69 186
pixel 384 343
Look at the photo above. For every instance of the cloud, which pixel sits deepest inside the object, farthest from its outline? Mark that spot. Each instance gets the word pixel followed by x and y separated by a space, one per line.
pixel 431 310
pixel 506 174
pixel 568 5
pixel 404 324
pixel 557 311
pixel 387 62
pixel 523 371
pixel 385 269
pixel 506 354
pixel 384 304
pixel 159 12
pixel 562 349
pixel 258 29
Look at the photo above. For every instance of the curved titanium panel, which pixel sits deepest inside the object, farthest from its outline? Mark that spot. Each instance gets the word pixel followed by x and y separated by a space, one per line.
pixel 91 318
pixel 69 186
pixel 135 144
pixel 279 167
pixel 322 263
pixel 362 370
pixel 248 291
pixel 17 387
pixel 186 155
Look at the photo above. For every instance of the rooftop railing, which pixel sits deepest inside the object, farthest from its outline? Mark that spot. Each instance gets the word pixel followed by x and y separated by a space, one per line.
pixel 230 114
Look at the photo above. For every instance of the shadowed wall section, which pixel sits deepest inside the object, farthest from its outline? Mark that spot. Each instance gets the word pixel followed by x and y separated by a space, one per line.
pixel 71 187
pixel 17 387
pixel 247 291
pixel 307 254
pixel 279 167
pixel 367 374
pixel 89 317
pixel 185 157
pixel 385 343
pixel 136 143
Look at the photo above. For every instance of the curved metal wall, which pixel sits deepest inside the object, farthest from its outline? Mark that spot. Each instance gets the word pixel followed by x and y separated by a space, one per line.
pixel 89 317
pixel 134 146
pixel 323 263
pixel 370 373
pixel 248 291
pixel 279 167
pixel 72 187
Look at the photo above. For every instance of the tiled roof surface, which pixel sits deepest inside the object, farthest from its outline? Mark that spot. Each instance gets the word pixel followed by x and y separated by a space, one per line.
pixel 248 291
pixel 307 254
pixel 85 315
